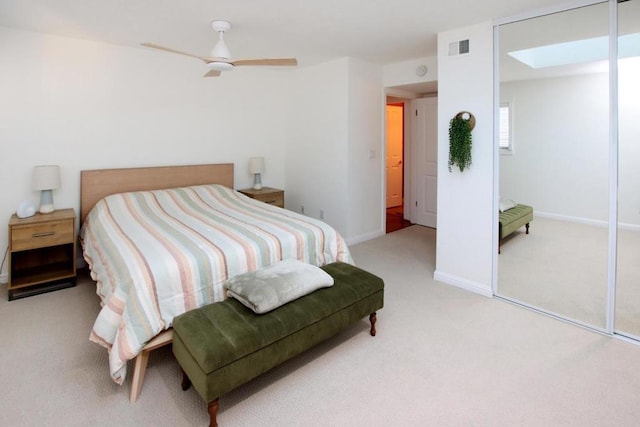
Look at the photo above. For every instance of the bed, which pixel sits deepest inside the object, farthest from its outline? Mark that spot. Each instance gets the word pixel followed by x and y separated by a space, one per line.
pixel 161 241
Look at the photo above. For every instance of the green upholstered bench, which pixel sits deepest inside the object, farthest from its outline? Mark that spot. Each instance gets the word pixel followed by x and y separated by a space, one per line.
pixel 223 345
pixel 512 219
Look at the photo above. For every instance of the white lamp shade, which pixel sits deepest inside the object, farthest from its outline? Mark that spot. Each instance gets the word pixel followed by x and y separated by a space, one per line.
pixel 256 165
pixel 46 177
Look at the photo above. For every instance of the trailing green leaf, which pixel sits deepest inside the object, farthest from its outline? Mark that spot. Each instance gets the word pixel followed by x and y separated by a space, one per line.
pixel 459 143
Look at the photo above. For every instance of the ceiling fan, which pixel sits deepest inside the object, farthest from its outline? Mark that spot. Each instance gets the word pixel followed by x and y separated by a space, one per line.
pixel 220 59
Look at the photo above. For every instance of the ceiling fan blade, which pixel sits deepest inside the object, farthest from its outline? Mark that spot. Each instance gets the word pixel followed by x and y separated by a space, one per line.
pixel 212 73
pixel 179 52
pixel 265 61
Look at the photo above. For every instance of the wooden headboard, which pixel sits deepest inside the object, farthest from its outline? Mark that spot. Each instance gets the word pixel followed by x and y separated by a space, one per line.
pixel 99 183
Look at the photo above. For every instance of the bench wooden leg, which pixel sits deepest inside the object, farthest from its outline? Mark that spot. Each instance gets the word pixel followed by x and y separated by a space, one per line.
pixel 186 382
pixel 213 407
pixel 372 319
pixel 527 227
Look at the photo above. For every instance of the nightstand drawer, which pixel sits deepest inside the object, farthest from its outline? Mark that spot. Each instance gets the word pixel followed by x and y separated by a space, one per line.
pixel 51 233
pixel 272 199
pixel 272 196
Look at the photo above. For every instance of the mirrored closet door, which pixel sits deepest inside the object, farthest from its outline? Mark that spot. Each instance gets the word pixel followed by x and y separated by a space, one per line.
pixel 554 157
pixel 627 307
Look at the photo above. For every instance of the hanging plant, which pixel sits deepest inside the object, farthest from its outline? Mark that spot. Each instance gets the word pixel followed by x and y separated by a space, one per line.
pixel 460 128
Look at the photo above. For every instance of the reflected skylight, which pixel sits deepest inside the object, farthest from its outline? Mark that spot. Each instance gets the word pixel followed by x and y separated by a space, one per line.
pixel 577 52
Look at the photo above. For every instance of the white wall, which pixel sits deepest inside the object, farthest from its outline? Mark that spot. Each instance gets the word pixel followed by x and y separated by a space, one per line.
pixel 560 163
pixel 366 151
pixel 629 142
pixel 404 72
pixel 335 120
pixel 465 207
pixel 86 105
pixel 561 138
pixel 317 148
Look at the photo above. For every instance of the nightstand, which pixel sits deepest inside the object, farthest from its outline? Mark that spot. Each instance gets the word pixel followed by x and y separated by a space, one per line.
pixel 42 253
pixel 272 196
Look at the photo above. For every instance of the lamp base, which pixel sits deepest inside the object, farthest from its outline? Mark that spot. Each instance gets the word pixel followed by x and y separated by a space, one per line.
pixel 46 202
pixel 257 181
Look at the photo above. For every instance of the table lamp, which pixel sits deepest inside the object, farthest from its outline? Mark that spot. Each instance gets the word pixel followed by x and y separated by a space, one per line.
pixel 256 167
pixel 46 179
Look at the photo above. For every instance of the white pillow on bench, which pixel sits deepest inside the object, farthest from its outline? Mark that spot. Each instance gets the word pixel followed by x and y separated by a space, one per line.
pixel 268 288
pixel 506 204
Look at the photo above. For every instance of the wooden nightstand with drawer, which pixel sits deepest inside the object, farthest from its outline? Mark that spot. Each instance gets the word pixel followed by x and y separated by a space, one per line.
pixel 42 253
pixel 272 196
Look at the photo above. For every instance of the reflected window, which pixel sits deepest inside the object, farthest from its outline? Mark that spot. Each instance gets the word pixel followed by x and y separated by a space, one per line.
pixel 505 129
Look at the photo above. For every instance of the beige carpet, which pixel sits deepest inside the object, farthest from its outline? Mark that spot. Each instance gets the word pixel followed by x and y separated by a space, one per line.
pixel 442 357
pixel 562 267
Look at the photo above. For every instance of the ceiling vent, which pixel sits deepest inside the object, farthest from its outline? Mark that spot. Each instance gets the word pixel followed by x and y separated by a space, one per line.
pixel 459 48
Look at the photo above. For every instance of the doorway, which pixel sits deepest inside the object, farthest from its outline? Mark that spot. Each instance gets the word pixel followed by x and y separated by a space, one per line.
pixel 395 167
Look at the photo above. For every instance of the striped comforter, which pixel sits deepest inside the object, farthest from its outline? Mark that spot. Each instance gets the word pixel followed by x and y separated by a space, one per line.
pixel 157 254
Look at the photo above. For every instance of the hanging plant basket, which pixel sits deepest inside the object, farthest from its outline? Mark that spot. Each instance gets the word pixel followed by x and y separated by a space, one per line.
pixel 460 128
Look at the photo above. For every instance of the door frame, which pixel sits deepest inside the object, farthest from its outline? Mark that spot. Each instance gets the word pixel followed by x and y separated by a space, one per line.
pixel 407 182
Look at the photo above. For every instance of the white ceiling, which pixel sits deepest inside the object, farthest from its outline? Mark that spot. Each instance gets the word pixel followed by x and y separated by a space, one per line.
pixel 378 31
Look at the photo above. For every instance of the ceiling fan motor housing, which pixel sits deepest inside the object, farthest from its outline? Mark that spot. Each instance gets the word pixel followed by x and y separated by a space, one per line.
pixel 220 50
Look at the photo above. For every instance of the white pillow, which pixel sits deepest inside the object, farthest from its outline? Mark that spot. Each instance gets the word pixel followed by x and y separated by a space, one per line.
pixel 268 288
pixel 506 204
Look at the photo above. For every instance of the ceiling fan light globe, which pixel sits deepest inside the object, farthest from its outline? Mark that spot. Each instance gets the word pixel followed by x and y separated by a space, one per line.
pixel 220 66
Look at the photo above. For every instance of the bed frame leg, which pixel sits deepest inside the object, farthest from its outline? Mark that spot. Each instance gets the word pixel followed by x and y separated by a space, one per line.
pixel 372 318
pixel 213 407
pixel 142 359
pixel 138 375
pixel 527 227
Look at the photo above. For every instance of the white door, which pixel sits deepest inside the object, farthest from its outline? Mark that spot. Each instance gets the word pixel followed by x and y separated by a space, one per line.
pixel 395 135
pixel 425 162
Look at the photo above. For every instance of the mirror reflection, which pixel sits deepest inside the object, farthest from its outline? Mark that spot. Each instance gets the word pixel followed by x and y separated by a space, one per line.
pixel 554 144
pixel 627 309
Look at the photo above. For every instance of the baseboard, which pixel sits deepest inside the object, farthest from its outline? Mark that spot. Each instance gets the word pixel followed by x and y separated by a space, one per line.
pixel 630 227
pixel 567 218
pixel 363 237
pixel 468 285
pixel 585 221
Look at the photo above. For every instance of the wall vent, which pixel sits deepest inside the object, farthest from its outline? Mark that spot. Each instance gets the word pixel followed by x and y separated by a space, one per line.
pixel 459 48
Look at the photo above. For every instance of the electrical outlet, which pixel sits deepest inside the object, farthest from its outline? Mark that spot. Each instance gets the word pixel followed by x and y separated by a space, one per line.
pixel 321 213
pixel 4 279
